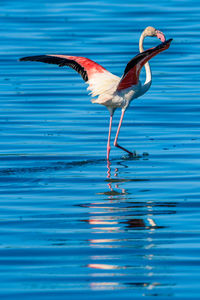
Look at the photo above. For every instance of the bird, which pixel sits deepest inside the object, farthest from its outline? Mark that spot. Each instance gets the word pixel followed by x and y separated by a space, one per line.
pixel 110 90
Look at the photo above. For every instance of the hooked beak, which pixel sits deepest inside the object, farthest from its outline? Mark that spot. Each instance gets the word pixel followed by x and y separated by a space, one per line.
pixel 160 36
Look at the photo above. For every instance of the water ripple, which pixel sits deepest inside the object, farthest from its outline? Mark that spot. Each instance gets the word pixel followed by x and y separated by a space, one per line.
pixel 71 225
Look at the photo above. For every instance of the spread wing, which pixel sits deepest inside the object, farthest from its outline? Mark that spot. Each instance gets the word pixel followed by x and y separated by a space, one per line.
pixel 133 68
pixel 98 78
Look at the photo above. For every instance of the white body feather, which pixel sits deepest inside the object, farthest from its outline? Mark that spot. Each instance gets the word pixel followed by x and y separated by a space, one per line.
pixel 104 85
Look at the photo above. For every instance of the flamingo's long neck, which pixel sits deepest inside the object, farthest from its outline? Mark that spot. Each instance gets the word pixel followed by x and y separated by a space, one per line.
pixel 148 80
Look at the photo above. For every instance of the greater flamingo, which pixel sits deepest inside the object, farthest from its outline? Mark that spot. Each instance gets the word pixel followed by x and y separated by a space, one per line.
pixel 112 91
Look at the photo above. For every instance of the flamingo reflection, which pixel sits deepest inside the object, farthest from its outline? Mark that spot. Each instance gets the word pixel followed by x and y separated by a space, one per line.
pixel 122 226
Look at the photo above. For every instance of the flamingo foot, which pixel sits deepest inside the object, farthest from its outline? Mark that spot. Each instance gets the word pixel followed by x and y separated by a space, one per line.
pixel 129 152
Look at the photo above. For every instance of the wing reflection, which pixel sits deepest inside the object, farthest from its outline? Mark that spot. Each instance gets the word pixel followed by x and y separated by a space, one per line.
pixel 103 266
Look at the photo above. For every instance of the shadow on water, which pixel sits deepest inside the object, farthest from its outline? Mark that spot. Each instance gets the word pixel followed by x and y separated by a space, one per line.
pixel 57 166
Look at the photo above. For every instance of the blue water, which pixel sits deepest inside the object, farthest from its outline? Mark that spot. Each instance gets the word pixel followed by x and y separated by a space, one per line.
pixel 72 227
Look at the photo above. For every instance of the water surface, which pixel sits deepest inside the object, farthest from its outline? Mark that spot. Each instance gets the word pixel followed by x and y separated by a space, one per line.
pixel 72 226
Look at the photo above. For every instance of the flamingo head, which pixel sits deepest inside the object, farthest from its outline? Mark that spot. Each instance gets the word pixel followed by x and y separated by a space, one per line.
pixel 151 31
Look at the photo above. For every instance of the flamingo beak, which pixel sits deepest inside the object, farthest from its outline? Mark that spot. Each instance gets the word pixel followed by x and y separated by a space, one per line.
pixel 160 36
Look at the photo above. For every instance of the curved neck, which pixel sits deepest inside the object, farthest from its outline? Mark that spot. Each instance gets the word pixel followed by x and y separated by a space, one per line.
pixel 148 80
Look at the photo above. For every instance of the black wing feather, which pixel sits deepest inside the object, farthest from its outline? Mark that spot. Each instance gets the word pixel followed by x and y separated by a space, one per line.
pixel 134 61
pixel 61 62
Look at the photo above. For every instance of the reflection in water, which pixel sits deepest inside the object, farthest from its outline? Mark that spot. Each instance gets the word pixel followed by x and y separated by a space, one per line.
pixel 127 227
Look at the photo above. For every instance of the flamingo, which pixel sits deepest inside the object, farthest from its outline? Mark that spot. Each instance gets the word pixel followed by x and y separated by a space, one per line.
pixel 112 91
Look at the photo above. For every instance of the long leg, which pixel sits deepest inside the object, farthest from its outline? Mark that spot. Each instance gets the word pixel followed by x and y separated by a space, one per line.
pixel 116 137
pixel 109 134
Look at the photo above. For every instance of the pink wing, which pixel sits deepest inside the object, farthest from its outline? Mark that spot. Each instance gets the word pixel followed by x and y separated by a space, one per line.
pixel 133 68
pixel 98 78
pixel 84 66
